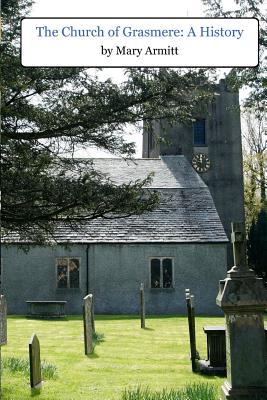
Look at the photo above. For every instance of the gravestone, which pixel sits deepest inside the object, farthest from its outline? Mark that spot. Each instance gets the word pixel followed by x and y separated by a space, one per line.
pixel 35 362
pixel 93 314
pixel 243 298
pixel 3 323
pixel 3 328
pixel 142 306
pixel 192 329
pixel 88 323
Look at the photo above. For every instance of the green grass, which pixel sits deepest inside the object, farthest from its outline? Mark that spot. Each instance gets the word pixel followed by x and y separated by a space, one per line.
pixel 194 391
pixel 126 357
pixel 98 338
pixel 15 365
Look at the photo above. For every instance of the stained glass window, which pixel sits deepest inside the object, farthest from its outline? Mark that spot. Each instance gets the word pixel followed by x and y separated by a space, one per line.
pixel 68 270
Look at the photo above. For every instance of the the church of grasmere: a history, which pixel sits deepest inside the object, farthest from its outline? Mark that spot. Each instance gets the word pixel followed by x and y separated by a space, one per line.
pixel 183 243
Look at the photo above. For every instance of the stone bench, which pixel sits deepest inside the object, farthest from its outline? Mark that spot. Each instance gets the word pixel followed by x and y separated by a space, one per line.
pixel 46 309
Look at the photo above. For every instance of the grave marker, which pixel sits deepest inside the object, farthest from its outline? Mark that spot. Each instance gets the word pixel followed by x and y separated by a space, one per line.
pixel 243 298
pixel 142 306
pixel 35 362
pixel 93 314
pixel 88 323
pixel 191 325
pixel 3 323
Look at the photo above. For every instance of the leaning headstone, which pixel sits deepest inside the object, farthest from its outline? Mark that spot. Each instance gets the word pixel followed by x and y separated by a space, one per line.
pixel 142 306
pixel 243 298
pixel 3 329
pixel 88 324
pixel 35 362
pixel 191 325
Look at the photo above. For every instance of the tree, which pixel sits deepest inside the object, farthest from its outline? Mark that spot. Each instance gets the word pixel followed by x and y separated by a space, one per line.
pixel 255 162
pixel 257 244
pixel 253 78
pixel 49 112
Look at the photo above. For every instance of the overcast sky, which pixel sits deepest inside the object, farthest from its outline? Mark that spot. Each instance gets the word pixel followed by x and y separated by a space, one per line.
pixel 119 8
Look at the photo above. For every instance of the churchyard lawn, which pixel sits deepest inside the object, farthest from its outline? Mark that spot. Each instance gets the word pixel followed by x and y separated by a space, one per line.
pixel 156 357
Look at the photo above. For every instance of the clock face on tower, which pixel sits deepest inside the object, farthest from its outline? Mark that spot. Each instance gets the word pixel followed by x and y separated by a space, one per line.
pixel 201 162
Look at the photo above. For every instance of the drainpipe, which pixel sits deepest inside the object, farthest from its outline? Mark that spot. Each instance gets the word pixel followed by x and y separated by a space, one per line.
pixel 87 269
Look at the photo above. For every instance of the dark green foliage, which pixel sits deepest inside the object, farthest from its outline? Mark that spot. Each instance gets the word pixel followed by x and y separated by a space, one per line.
pixel 50 112
pixel 254 78
pixel 190 392
pixel 257 244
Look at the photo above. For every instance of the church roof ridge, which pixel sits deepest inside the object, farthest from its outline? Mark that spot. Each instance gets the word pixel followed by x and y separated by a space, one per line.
pixel 167 171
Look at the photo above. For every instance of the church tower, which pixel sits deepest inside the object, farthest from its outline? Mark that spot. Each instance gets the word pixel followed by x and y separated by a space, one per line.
pixel 212 144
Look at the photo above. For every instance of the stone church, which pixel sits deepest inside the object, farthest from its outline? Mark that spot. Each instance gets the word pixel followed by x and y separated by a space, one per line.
pixel 182 244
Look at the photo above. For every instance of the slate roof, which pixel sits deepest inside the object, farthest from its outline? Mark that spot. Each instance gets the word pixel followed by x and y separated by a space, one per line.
pixel 169 171
pixel 186 213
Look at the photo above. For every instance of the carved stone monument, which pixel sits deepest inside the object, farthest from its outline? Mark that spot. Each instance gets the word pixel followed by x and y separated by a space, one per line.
pixel 142 306
pixel 243 298
pixel 35 362
pixel 88 324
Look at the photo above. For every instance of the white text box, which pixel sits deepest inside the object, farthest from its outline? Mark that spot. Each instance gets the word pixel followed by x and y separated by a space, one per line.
pixel 132 42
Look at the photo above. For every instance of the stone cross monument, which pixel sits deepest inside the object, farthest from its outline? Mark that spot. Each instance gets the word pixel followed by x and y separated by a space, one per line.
pixel 243 298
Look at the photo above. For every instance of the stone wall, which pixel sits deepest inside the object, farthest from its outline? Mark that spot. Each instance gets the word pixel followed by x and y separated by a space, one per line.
pixel 115 272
